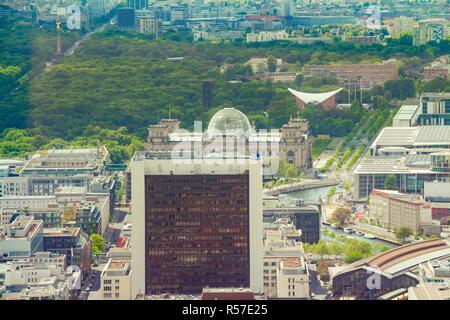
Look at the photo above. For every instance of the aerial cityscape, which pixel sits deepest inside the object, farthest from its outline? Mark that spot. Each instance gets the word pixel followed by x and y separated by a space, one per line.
pixel 192 150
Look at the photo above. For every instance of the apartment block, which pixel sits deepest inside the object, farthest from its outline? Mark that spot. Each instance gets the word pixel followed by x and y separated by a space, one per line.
pixel 434 109
pixel 430 30
pixel 293 279
pixel 150 26
pixel 402 25
pixel 72 242
pixel 393 209
pixel 22 237
pixel 281 241
pixel 439 68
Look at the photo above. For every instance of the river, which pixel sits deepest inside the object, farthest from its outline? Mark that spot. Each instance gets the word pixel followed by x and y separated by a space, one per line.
pixel 314 195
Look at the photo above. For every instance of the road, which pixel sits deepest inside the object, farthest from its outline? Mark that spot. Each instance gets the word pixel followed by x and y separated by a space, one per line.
pixel 94 292
pixel 119 217
pixel 316 287
pixel 76 45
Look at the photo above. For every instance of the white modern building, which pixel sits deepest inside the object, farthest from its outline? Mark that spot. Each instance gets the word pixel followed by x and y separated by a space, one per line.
pixel 267 36
pixel 407 114
pixel 22 237
pixel 434 109
pixel 35 202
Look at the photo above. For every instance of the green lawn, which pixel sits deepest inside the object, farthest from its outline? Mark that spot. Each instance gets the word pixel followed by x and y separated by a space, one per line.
pixel 334 143
pixel 318 146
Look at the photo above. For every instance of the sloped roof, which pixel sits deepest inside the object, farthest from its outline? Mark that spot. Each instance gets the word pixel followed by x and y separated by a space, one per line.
pixel 313 97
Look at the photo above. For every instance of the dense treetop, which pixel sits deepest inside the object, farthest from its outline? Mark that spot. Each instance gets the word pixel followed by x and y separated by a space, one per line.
pixel 118 81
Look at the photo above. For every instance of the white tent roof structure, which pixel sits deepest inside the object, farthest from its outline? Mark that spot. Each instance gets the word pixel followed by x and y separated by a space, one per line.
pixel 313 98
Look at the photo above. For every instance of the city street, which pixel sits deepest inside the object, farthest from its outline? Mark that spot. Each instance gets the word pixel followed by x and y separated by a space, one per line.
pixel 94 292
pixel 119 217
pixel 318 292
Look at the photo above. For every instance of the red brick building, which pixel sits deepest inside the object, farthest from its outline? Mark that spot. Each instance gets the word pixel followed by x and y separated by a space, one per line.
pixel 356 76
pixel 439 68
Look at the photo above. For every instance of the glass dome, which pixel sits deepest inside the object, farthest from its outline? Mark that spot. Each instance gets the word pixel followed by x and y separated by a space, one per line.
pixel 228 121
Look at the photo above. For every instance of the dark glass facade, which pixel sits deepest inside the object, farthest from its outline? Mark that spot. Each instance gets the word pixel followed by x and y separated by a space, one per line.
pixel 125 18
pixel 408 183
pixel 309 223
pixel 196 233
pixel 76 247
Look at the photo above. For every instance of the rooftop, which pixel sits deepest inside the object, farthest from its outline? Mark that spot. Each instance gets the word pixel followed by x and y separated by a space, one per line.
pixel 23 227
pixel 396 136
pixel 66 159
pixel 118 264
pixel 117 267
pixel 429 291
pixel 61 231
pixel 407 110
pixel 445 95
pixel 387 165
pixel 402 259
pixel 390 261
pixel 291 263
pixel 227 294
pixel 432 136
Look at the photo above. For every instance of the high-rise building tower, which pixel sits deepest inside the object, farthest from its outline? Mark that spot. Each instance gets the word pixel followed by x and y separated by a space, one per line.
pixel 96 8
pixel 125 18
pixel 287 8
pixel 196 223
pixel 151 26
pixel 402 25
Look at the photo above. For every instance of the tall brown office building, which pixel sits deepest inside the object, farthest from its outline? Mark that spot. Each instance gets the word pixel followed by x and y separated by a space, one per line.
pixel 199 225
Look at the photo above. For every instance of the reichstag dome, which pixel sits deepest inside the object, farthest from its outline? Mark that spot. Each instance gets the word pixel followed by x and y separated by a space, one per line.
pixel 292 143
